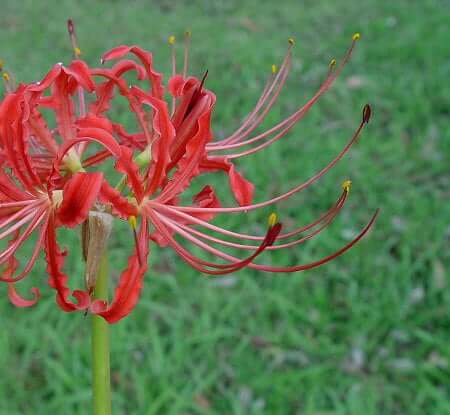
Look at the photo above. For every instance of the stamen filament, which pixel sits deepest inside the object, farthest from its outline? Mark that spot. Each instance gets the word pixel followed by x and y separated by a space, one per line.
pixel 187 42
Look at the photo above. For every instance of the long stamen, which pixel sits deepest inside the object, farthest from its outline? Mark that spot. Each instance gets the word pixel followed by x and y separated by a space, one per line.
pixel 196 262
pixel 236 265
pixel 32 259
pixel 278 78
pixel 272 222
pixel 20 213
pixel 8 82
pixel 300 187
pixel 6 254
pixel 165 209
pixel 293 119
pixel 19 203
pixel 187 43
pixel 76 55
pixel 81 98
pixel 171 41
pixel 289 122
pixel 256 119
pixel 73 39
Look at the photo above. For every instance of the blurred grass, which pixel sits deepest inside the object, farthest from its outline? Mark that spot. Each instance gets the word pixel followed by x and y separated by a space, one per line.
pixel 367 333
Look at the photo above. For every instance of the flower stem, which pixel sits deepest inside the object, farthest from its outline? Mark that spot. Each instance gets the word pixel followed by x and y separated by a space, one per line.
pixel 101 383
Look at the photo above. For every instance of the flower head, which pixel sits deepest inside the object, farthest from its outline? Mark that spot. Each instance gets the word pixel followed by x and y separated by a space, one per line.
pixel 51 174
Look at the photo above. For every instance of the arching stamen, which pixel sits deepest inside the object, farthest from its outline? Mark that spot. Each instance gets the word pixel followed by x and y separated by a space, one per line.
pixel 272 221
pixel 8 82
pixel 283 196
pixel 73 39
pixel 273 89
pixel 187 43
pixel 76 55
pixel 35 218
pixel 198 263
pixel 290 121
pixel 171 41
pixel 237 264
pixel 33 258
pixel 194 220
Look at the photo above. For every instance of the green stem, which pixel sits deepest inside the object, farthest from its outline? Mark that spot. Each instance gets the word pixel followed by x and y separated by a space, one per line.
pixel 101 383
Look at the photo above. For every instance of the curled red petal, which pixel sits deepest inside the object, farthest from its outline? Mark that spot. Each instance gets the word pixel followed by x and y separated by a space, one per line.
pixel 79 194
pixel 64 107
pixel 130 285
pixel 94 121
pixel 47 81
pixel 105 90
pixel 105 93
pixel 147 60
pixel 120 204
pixel 243 190
pixel 206 198
pixel 127 65
pixel 161 146
pixel 125 164
pixel 57 279
pixel 194 152
pixel 80 73
pixel 87 135
pixel 176 85
pixel 100 135
pixel 19 301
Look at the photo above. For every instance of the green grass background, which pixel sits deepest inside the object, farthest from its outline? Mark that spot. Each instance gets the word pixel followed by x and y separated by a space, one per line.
pixel 366 334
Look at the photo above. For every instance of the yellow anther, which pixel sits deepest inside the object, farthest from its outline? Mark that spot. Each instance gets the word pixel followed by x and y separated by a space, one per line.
pixel 1 65
pixel 6 76
pixel 133 222
pixel 346 185
pixel 291 41
pixel 332 63
pixel 274 69
pixel 188 33
pixel 171 40
pixel 356 37
pixel 273 218
pixel 77 52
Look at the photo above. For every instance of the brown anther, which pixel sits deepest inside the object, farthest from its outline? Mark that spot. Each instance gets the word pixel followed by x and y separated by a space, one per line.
pixel 70 26
pixel 367 112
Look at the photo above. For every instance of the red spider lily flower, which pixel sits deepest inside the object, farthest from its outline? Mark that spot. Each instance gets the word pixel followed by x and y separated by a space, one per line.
pixel 178 146
pixel 34 197
pixel 174 145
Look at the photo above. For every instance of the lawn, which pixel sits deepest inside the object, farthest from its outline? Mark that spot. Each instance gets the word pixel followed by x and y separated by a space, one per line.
pixel 366 334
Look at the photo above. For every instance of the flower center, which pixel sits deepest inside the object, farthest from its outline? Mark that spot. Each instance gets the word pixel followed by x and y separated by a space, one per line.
pixel 72 161
pixel 57 196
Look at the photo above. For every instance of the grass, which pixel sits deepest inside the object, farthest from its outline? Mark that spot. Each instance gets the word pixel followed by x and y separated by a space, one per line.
pixel 366 334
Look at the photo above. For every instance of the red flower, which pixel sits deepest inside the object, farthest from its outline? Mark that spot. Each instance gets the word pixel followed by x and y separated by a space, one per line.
pixel 36 197
pixel 44 183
